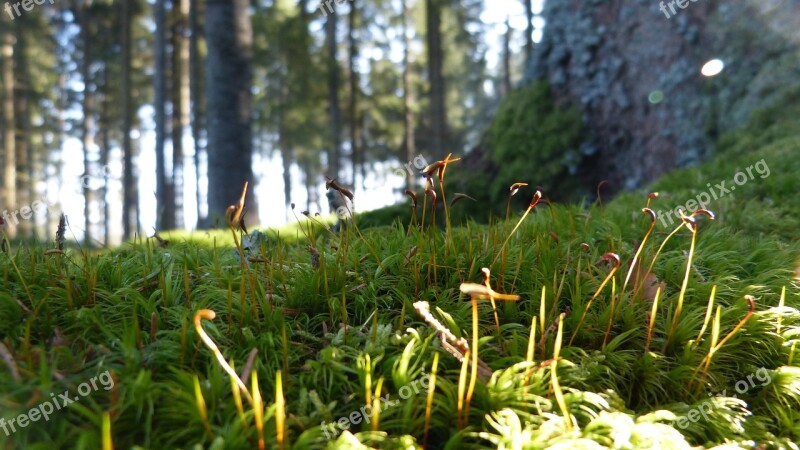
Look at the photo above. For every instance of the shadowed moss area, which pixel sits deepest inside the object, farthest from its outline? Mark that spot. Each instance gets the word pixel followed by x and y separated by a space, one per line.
pixel 582 360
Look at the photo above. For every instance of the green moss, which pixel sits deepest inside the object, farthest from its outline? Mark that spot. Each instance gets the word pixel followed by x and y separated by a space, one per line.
pixel 533 139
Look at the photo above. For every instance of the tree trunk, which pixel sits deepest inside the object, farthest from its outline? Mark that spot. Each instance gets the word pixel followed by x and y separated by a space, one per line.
pixel 433 9
pixel 507 59
pixel 164 207
pixel 230 51
pixel 105 128
pixel 180 101
pixel 286 159
pixel 408 99
pixel 128 185
pixel 22 114
pixel 355 130
pixel 86 122
pixel 334 113
pixel 9 124
pixel 197 97
pixel 528 32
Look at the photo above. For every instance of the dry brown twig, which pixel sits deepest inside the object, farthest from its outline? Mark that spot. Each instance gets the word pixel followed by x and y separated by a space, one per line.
pixel 458 347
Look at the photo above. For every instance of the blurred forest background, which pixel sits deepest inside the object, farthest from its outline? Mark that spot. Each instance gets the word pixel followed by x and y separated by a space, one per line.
pixel 98 95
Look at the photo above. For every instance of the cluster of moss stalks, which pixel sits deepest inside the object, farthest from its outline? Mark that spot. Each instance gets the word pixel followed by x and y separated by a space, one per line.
pixel 556 326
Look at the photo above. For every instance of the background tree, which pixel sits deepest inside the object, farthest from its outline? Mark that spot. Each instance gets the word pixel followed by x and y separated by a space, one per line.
pixel 164 200
pixel 180 101
pixel 438 110
pixel 230 39
pixel 408 97
pixel 9 122
pixel 334 112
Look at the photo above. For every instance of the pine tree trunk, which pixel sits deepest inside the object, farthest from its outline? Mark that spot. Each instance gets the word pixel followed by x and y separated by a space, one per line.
pixel 433 9
pixel 334 112
pixel 230 39
pixel 105 128
pixel 197 98
pixel 528 32
pixel 9 131
pixel 22 114
pixel 408 99
pixel 507 59
pixel 355 131
pixel 164 211
pixel 180 101
pixel 128 185
pixel 86 122
pixel 286 158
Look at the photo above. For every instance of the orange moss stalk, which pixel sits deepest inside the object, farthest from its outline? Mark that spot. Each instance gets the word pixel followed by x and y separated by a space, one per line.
pixel 652 320
pixel 413 220
pixel 690 223
pixel 440 167
pixel 639 250
pixel 706 362
pixel 707 318
pixel 606 257
pixel 537 197
pixel 462 389
pixel 476 292
pixel 209 314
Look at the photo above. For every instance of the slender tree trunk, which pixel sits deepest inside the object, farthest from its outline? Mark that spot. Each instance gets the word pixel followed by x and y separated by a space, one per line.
pixel 433 9
pixel 355 130
pixel 528 32
pixel 86 122
pixel 230 149
pixel 334 111
pixel 62 59
pixel 165 213
pixel 180 100
pixel 61 105
pixel 286 158
pixel 22 114
pixel 507 59
pixel 128 185
pixel 197 97
pixel 408 98
pixel 105 128
pixel 137 147
pixel 287 152
pixel 9 124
